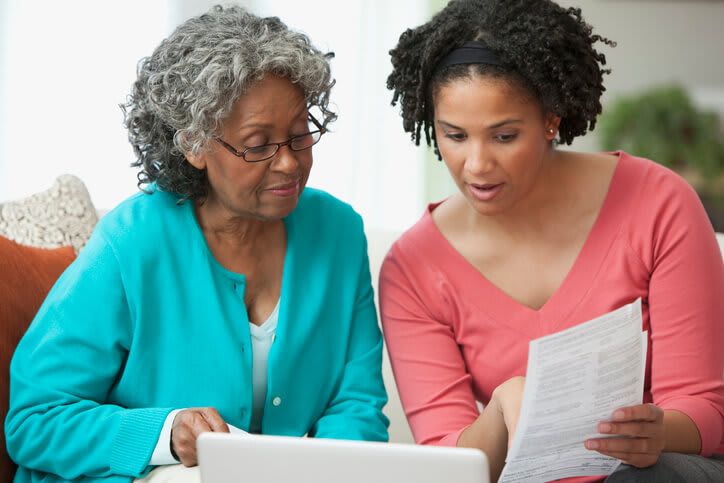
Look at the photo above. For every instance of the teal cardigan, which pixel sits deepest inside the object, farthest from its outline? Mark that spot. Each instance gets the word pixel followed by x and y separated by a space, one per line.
pixel 146 321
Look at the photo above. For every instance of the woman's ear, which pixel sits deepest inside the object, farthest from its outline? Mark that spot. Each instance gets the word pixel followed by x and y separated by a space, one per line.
pixel 551 126
pixel 198 161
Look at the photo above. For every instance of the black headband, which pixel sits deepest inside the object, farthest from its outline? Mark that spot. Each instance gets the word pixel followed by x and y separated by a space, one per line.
pixel 469 53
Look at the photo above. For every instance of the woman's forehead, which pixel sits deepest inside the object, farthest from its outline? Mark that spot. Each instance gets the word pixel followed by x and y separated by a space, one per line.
pixel 271 97
pixel 482 98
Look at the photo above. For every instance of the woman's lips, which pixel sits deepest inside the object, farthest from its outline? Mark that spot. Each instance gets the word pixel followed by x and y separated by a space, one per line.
pixel 485 192
pixel 286 189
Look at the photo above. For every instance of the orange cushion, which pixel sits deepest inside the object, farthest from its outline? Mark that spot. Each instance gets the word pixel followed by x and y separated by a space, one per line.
pixel 26 276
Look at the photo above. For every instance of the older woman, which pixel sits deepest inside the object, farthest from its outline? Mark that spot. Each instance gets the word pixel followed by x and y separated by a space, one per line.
pixel 223 294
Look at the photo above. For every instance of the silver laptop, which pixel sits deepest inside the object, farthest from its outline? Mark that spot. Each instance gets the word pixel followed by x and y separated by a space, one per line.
pixel 231 458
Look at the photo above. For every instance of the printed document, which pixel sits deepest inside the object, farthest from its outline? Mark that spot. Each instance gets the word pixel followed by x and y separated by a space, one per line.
pixel 575 379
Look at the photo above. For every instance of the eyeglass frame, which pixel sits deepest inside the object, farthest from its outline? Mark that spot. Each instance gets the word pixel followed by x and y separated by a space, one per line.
pixel 242 154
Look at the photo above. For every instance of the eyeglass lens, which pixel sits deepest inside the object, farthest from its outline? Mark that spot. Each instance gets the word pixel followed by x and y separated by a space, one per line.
pixel 297 143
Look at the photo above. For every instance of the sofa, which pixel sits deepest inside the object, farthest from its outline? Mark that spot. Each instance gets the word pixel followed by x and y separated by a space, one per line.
pixel 42 234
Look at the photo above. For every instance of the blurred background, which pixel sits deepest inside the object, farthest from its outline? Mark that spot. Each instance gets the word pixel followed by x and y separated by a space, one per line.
pixel 66 66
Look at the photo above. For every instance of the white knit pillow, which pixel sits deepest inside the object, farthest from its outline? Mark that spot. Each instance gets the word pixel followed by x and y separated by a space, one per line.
pixel 60 216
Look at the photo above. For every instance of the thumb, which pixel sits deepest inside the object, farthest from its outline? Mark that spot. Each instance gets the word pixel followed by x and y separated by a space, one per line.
pixel 214 420
pixel 511 435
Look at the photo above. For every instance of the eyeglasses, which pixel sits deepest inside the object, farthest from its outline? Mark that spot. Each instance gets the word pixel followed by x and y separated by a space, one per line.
pixel 267 151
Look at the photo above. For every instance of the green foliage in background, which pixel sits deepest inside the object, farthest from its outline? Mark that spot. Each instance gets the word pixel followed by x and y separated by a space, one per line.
pixel 663 124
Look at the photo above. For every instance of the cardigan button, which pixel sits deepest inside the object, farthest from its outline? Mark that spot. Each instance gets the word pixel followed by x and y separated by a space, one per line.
pixel 277 401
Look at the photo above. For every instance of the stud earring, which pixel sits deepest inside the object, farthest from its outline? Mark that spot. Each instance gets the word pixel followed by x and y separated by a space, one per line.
pixel 550 131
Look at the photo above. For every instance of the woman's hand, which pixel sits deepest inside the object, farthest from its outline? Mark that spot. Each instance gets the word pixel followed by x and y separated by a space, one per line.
pixel 643 429
pixel 492 432
pixel 187 426
pixel 507 398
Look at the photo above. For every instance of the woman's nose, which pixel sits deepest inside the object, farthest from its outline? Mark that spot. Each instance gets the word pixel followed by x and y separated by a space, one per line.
pixel 479 159
pixel 285 159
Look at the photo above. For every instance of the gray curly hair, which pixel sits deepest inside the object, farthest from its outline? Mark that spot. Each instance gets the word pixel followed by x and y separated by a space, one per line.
pixel 188 86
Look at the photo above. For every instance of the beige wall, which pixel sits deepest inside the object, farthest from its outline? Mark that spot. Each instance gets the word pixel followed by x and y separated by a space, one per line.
pixel 659 42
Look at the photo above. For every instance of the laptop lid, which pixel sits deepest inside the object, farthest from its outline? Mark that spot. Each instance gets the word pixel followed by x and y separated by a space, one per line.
pixel 227 458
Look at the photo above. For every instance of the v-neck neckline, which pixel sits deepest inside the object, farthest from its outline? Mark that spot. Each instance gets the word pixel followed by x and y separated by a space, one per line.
pixel 239 278
pixel 575 284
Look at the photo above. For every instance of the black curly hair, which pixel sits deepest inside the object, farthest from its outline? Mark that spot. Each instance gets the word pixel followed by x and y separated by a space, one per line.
pixel 545 49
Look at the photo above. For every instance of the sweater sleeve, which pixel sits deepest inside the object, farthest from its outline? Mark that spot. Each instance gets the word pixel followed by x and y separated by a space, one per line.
pixel 686 309
pixel 59 420
pixel 434 385
pixel 355 410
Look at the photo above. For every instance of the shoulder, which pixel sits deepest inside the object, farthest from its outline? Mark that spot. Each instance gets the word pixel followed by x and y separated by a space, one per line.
pixel 657 190
pixel 423 233
pixel 651 175
pixel 314 202
pixel 142 206
pixel 142 217
pixel 421 272
pixel 422 241
pixel 321 223
pixel 319 212
pixel 661 209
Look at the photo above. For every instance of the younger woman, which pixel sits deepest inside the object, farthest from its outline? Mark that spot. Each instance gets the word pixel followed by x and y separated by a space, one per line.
pixel 538 239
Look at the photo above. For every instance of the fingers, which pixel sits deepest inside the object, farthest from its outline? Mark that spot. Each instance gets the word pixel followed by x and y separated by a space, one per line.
pixel 186 428
pixel 640 435
pixel 625 445
pixel 642 421
pixel 641 412
pixel 214 420
pixel 640 429
pixel 510 397
pixel 639 452
pixel 637 460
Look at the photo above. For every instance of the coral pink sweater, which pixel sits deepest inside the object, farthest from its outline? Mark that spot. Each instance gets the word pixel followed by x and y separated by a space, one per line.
pixel 453 337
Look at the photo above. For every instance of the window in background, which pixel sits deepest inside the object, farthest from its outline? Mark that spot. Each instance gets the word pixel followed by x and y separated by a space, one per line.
pixel 67 65
pixel 66 68
pixel 367 159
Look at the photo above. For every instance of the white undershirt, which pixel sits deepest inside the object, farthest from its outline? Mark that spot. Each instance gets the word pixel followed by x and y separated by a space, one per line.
pixel 262 337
